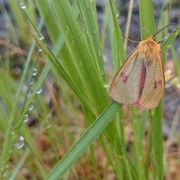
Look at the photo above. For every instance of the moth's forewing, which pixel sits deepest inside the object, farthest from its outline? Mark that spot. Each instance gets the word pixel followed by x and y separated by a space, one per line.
pixel 123 88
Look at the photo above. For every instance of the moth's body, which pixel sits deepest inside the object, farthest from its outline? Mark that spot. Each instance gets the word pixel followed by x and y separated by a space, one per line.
pixel 140 81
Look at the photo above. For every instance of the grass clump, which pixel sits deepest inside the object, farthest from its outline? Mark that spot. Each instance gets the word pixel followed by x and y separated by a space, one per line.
pixel 73 111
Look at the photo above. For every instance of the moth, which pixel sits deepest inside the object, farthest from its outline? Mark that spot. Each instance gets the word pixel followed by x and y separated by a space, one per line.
pixel 140 80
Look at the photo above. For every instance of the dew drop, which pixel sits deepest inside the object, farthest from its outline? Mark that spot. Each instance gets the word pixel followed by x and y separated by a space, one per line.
pixel 39 91
pixel 34 73
pixel 22 5
pixel 5 169
pixel 26 118
pixel 41 37
pixel 20 142
pixel 31 83
pixel 117 15
pixel 4 174
pixel 40 50
pixel 31 107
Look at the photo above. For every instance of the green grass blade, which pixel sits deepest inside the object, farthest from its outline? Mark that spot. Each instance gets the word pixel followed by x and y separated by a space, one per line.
pixel 8 142
pixel 117 44
pixel 85 141
pixel 137 146
pixel 49 18
pixel 89 18
pixel 157 141
pixel 82 70
pixel 146 18
pixel 168 42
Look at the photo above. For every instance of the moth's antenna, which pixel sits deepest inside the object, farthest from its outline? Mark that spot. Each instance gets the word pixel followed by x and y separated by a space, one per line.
pixel 163 29
pixel 142 27
pixel 137 42
pixel 147 33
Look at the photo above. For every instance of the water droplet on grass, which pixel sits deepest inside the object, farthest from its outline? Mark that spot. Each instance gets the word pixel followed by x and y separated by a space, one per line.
pixel 20 142
pixel 31 107
pixel 39 91
pixel 22 5
pixel 34 72
pixel 40 50
pixel 26 118
pixel 41 37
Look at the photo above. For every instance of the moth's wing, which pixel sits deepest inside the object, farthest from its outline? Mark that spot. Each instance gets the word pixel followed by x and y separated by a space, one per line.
pixel 139 82
pixel 125 85
pixel 154 84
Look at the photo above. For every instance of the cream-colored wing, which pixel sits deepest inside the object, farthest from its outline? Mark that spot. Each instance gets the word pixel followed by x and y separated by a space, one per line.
pixel 124 87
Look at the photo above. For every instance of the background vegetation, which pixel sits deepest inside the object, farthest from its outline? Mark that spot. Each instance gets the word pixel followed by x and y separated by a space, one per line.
pixel 56 118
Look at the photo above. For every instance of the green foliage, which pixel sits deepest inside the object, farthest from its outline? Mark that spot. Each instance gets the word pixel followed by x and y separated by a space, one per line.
pixel 75 62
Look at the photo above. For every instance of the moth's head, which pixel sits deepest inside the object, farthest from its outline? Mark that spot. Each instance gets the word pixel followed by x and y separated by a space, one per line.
pixel 149 47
